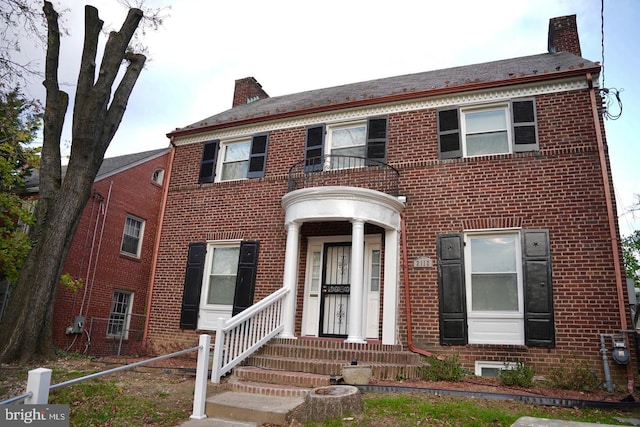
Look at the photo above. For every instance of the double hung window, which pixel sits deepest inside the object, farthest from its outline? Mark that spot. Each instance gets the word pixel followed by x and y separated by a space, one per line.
pixel 120 314
pixel 132 236
pixel 501 128
pixel 219 282
pixel 237 159
pixel 495 288
pixel 345 145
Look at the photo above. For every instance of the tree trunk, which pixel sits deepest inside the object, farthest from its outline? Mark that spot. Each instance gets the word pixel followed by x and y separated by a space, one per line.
pixel 26 327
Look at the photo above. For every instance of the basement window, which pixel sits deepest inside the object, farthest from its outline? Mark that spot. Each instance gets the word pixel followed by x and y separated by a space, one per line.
pixel 492 369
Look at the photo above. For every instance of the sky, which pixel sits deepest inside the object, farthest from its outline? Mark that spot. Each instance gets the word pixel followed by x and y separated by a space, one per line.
pixel 295 46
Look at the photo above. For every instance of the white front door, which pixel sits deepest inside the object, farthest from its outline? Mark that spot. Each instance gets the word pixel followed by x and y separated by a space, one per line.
pixel 316 265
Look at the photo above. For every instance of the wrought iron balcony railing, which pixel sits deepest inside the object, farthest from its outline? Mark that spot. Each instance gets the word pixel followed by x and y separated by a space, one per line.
pixel 341 170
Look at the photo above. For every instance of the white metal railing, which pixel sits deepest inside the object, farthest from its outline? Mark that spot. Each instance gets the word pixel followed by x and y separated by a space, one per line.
pixel 238 337
pixel 39 380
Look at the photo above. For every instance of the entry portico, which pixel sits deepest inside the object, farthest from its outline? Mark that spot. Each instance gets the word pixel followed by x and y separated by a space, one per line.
pixel 358 206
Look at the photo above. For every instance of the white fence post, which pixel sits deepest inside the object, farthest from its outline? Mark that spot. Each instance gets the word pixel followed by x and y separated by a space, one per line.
pixel 218 348
pixel 200 393
pixel 38 383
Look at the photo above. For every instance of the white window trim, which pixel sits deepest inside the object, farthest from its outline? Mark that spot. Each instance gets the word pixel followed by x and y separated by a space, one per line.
pixel 211 313
pixel 481 364
pixel 506 106
pixel 342 125
pixel 140 238
pixel 482 325
pixel 221 153
pixel 160 176
pixel 127 314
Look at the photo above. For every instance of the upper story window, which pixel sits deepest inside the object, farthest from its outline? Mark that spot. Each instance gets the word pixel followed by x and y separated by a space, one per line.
pixel 238 159
pixel 345 145
pixel 235 160
pixel 487 130
pixel 132 236
pixel 158 176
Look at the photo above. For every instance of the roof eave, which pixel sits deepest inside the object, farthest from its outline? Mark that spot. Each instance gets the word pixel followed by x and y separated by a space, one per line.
pixel 391 98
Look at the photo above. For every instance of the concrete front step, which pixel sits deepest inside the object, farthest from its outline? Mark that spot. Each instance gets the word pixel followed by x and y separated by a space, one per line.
pixel 247 407
pixel 266 389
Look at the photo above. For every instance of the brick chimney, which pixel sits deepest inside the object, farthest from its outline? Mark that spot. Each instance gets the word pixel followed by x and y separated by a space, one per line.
pixel 247 90
pixel 563 35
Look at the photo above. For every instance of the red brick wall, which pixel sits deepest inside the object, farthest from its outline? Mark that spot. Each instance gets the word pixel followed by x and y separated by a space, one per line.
pixel 559 188
pixel 132 192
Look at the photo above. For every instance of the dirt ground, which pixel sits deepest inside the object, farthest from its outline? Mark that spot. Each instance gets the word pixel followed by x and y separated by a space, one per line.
pixel 176 377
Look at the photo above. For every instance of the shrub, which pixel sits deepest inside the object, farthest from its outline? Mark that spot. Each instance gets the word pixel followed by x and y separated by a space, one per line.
pixel 447 369
pixel 574 375
pixel 520 375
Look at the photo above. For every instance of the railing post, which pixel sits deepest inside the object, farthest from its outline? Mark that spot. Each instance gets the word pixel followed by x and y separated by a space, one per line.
pixel 202 368
pixel 217 352
pixel 38 383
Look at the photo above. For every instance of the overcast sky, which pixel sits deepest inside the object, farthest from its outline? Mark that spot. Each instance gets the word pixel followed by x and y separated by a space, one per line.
pixel 294 46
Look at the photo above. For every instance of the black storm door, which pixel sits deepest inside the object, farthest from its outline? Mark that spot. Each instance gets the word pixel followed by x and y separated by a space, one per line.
pixel 335 290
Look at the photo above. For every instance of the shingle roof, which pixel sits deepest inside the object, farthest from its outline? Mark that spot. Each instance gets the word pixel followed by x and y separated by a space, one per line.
pixel 536 66
pixel 110 165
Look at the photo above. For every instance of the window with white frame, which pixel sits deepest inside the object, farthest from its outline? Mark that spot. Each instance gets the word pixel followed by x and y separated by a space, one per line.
pixel 120 314
pixel 235 160
pixel 344 142
pixel 495 309
pixel 491 129
pixel 485 131
pixel 158 176
pixel 132 236
pixel 492 369
pixel 222 265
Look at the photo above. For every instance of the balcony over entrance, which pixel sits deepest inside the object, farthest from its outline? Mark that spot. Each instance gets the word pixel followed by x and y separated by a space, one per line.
pixel 349 171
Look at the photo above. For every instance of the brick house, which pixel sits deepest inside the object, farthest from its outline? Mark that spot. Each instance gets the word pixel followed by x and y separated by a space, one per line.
pixel 463 211
pixel 111 252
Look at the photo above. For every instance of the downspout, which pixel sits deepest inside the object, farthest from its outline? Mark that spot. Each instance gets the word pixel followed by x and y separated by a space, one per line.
pixel 156 244
pixel 407 299
pixel 612 225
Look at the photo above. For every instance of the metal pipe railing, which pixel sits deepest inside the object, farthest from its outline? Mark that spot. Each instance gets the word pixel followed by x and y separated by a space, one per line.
pixel 39 380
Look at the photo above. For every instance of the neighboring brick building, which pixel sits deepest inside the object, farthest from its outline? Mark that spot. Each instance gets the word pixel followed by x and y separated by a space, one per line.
pixel 112 252
pixel 511 251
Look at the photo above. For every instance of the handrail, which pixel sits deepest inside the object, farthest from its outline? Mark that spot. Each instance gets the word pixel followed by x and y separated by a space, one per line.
pixel 240 336
pixel 39 380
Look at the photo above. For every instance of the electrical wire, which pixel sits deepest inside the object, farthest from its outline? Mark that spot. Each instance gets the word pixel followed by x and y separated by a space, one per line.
pixel 610 96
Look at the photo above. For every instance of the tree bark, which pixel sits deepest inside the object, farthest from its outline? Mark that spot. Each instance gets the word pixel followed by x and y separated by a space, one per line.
pixel 26 327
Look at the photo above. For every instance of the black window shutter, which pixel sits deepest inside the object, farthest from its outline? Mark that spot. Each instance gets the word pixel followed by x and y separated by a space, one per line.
pixel 377 138
pixel 258 156
pixel 524 125
pixel 314 147
pixel 192 286
pixel 246 278
pixel 208 162
pixel 451 290
pixel 449 143
pixel 539 328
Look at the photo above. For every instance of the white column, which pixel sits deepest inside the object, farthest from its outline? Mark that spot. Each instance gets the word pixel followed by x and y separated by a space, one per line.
pixel 390 298
pixel 290 280
pixel 356 300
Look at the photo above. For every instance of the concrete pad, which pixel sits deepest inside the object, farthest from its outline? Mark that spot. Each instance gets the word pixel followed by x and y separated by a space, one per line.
pixel 545 422
pixel 215 422
pixel 248 407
